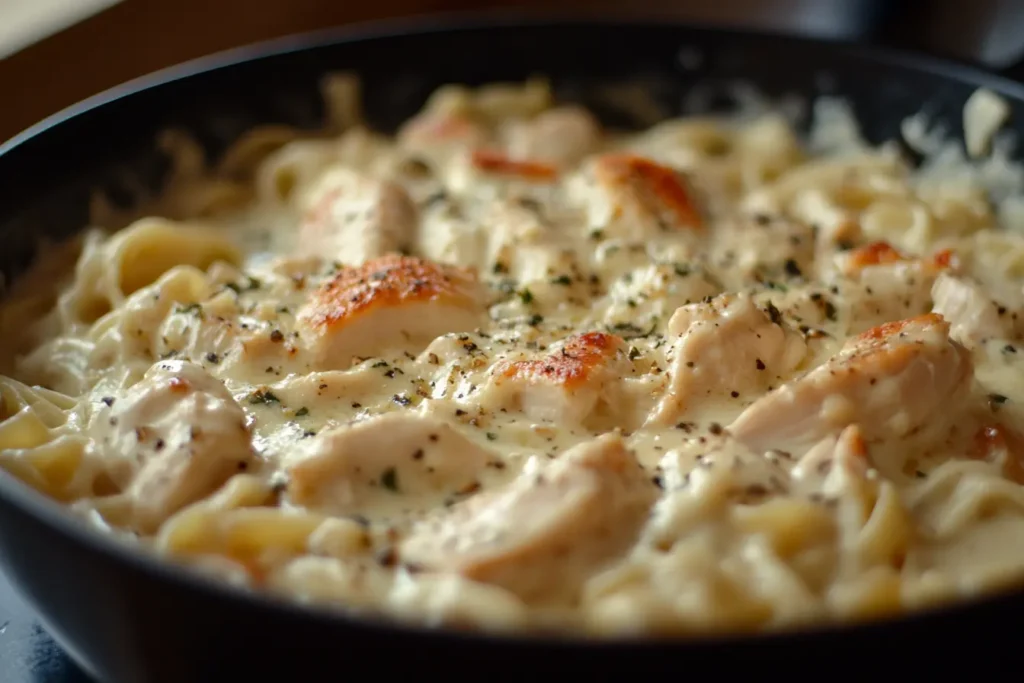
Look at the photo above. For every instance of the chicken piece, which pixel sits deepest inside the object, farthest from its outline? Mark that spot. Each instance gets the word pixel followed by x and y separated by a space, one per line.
pixel 973 315
pixel 883 285
pixel 497 163
pixel 392 302
pixel 571 383
pixel 725 349
pixel 560 136
pixel 879 253
pixel 631 196
pixel 544 533
pixel 398 455
pixel 438 131
pixel 890 380
pixel 172 439
pixel 351 218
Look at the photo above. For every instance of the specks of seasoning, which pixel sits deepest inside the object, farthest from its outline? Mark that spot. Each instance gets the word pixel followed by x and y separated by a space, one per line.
pixel 499 268
pixel 535 319
pixel 491 436
pixel 459 412
pixel 1009 348
pixel 389 479
pixel 792 269
pixel 276 336
pixel 762 219
pixel 212 358
pixel 634 353
pixel 997 399
pixel 264 396
pixel 844 245
pixel 387 557
pixel 526 296
pixel 830 310
pixel 159 445
pixel 657 481
pixel 734 394
pixel 380 364
pixel 759 364
pixel 108 400
pixel 686 427
pixel 356 406
pixel 302 412
pixel 417 454
pixel 563 280
pixel 401 399
pixel 308 433
pixel 773 313
pixel 597 235
pixel 715 428
pixel 193 308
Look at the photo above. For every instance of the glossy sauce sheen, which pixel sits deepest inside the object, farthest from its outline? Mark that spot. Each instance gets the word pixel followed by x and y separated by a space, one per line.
pixel 509 370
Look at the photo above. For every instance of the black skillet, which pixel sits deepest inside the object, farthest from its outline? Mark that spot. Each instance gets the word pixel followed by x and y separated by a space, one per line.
pixel 130 619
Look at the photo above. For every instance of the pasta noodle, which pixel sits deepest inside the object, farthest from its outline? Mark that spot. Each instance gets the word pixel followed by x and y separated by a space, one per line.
pixel 508 370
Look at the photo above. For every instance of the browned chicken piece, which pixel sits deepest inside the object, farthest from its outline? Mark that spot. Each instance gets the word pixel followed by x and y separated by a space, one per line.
pixel 562 136
pixel 884 284
pixel 500 164
pixel 890 380
pixel 394 302
pixel 400 455
pixel 351 218
pixel 433 129
pixel 630 196
pixel 174 438
pixel 543 534
pixel 973 316
pixel 727 348
pixel 567 385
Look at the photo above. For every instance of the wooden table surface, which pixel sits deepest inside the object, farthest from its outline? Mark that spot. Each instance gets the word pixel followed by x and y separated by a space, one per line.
pixel 136 37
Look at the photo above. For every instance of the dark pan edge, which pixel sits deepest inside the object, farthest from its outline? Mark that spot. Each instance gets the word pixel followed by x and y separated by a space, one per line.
pixel 74 531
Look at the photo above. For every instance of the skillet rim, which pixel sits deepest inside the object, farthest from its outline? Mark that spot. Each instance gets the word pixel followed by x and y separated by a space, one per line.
pixel 150 567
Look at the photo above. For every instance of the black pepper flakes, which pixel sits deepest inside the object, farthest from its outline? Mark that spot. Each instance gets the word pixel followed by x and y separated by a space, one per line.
pixel 759 364
pixel 389 479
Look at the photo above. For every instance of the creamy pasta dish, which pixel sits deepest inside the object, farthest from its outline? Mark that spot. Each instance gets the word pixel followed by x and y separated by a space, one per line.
pixel 509 370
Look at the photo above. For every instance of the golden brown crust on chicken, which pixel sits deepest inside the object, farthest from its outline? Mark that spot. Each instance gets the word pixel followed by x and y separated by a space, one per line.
pixel 649 188
pixel 571 366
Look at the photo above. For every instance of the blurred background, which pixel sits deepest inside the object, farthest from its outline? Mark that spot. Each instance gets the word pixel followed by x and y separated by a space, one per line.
pixel 56 52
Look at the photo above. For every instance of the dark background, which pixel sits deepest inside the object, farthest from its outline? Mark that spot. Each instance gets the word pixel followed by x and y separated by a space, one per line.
pixel 139 36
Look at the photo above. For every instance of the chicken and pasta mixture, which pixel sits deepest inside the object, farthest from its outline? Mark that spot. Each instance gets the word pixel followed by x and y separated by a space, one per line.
pixel 510 370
